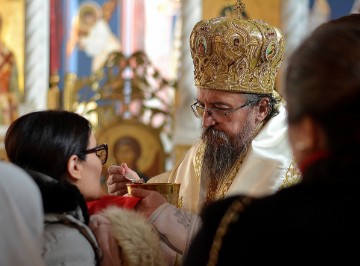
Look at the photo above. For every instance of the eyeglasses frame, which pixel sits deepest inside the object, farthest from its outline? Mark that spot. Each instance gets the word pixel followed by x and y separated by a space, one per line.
pixel 100 147
pixel 226 112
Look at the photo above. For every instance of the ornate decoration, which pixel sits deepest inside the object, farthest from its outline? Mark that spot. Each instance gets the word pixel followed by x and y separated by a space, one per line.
pixel 127 88
pixel 234 54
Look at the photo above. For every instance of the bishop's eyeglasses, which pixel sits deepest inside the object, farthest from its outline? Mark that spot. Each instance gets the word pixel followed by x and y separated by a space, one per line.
pixel 214 113
pixel 101 152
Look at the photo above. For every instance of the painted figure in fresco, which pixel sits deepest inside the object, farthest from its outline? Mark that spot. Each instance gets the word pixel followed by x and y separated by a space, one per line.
pixel 9 87
pixel 128 150
pixel 92 33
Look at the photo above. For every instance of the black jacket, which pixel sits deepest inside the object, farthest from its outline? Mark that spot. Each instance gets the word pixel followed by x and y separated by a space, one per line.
pixel 315 221
pixel 60 196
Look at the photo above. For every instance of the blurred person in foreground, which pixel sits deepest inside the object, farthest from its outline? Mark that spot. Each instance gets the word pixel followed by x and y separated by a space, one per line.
pixel 21 219
pixel 316 220
pixel 244 145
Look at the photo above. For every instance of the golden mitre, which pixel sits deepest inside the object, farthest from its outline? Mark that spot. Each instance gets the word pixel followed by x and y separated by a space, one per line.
pixel 234 54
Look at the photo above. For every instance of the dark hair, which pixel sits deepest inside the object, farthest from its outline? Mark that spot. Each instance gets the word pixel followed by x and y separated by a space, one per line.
pixel 323 81
pixel 273 103
pixel 43 141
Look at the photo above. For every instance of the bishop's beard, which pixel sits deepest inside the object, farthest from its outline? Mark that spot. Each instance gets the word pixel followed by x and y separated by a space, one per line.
pixel 222 151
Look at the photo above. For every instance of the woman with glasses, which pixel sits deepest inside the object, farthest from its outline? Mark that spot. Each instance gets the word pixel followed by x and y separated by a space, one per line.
pixel 59 150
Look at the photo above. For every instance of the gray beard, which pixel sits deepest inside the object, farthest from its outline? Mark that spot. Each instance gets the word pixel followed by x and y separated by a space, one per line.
pixel 222 151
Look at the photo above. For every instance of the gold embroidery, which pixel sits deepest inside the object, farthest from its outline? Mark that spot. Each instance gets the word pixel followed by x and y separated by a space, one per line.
pixel 199 155
pixel 292 176
pixel 180 202
pixel 178 259
pixel 230 216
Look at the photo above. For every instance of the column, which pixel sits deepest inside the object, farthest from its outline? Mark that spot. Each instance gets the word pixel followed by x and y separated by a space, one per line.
pixel 187 128
pixel 36 55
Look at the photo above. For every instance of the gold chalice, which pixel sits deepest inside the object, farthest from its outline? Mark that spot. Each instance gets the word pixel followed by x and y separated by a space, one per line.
pixel 169 190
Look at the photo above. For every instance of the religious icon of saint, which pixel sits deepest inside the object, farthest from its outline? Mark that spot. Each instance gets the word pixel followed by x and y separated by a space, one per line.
pixel 9 86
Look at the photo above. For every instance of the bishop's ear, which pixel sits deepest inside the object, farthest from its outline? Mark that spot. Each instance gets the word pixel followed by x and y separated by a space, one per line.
pixel 263 109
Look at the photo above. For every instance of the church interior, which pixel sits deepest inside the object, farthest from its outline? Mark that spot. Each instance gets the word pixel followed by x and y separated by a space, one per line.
pixel 125 64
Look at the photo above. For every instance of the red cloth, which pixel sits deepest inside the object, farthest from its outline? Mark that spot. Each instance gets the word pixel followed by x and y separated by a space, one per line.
pixel 56 35
pixel 312 158
pixel 126 202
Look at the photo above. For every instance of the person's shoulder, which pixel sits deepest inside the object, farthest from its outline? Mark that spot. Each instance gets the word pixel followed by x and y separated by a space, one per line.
pixel 66 243
pixel 62 231
pixel 247 207
pixel 63 236
pixel 66 227
pixel 217 217
pixel 217 209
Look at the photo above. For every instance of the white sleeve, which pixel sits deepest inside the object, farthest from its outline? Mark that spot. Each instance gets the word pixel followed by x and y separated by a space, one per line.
pixel 176 229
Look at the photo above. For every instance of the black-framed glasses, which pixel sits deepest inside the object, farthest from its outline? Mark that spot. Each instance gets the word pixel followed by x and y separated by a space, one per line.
pixel 215 113
pixel 101 152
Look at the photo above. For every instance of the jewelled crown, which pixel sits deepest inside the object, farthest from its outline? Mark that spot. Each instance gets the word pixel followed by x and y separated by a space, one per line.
pixel 235 54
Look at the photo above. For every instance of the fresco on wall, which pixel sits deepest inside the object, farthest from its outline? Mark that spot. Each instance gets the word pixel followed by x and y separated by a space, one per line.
pixel 92 29
pixel 90 33
pixel 11 59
